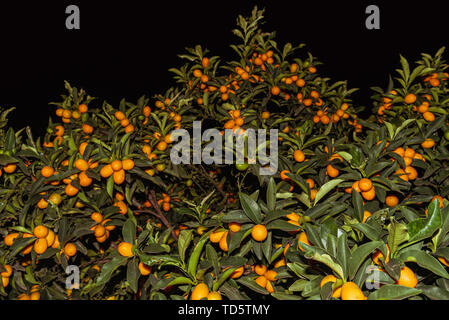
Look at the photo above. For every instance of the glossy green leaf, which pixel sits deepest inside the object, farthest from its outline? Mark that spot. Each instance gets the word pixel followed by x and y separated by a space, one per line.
pixel 326 188
pixel 251 208
pixel 359 255
pixel 393 292
pixel 425 227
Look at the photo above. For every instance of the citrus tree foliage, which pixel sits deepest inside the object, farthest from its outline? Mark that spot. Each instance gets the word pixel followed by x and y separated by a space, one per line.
pixel 357 208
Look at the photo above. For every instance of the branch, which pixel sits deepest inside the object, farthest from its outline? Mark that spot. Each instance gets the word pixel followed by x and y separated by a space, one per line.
pixel 213 182
pixel 158 214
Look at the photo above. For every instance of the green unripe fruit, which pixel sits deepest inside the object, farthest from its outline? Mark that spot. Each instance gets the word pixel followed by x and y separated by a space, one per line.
pixel 242 166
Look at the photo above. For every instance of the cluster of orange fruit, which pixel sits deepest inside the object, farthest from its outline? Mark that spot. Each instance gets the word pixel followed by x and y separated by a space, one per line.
pixel 45 238
pixel 314 98
pixel 230 197
pixel 165 201
pixel 220 237
pixel 83 178
pixel 410 99
pixel 236 122
pixel 331 171
pixel 101 231
pixel 71 190
pixel 117 168
pixel 407 173
pixel 161 104
pixel 59 132
pixel 313 191
pixel 300 83
pixel 54 198
pixel 347 291
pixel 241 74
pixel 253 71
pixel 34 294
pixel 265 277
pixel 201 291
pixel 180 228
pixel 423 108
pixel 322 115
pixel 358 127
pixel 259 233
pixel 259 59
pixel 407 277
pixel 6 275
pixel 177 119
pixel 387 102
pixel 124 121
pixel 434 78
pixel 66 114
pixel 146 113
pixel 120 203
pixel 163 143
pixel 202 78
pixel 294 219
pixel 146 149
pixel 365 187
pixel 226 89
pixel 294 78
pixel 83 165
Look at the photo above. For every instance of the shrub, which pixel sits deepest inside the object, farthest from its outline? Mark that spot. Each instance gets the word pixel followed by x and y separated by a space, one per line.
pixel 353 201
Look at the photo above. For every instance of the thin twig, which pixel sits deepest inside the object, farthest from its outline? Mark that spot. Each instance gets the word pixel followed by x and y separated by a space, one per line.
pixel 158 214
pixel 162 218
pixel 215 184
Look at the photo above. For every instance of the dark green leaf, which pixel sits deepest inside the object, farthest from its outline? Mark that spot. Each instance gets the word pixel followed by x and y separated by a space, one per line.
pixel 393 292
pixel 251 208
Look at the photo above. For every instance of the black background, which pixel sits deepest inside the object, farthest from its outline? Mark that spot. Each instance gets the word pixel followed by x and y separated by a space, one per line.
pixel 124 50
pixel 168 309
